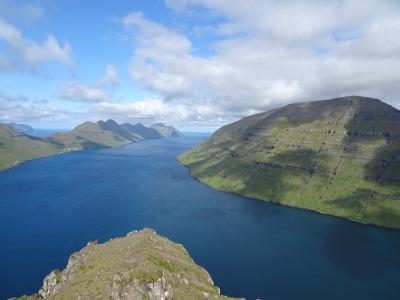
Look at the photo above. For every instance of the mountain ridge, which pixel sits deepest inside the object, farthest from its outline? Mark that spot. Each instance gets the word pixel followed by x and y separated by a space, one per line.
pixel 16 147
pixel 166 131
pixel 23 128
pixel 339 156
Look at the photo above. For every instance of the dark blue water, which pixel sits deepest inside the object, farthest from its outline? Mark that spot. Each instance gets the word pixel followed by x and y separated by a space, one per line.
pixel 52 207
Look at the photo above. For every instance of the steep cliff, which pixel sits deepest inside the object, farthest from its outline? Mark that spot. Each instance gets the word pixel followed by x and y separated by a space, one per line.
pixel 338 156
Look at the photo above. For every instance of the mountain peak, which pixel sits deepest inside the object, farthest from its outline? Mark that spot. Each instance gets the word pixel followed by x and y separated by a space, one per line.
pixel 338 156
pixel 165 130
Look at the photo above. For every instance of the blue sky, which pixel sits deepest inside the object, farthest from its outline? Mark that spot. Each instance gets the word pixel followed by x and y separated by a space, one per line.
pixel 196 64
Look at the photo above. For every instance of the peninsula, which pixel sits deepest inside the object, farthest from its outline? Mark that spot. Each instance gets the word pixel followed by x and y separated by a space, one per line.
pixel 339 156
pixel 17 147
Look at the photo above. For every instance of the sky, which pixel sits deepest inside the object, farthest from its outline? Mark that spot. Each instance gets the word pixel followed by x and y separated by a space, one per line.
pixel 195 64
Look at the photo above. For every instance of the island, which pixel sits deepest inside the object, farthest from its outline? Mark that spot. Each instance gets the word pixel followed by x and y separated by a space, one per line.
pixel 142 265
pixel 339 156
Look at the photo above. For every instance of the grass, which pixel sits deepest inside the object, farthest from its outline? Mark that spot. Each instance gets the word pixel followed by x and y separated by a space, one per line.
pixel 130 265
pixel 327 156
pixel 16 148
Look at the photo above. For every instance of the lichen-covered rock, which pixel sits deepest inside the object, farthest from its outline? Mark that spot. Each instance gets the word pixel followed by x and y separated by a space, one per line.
pixel 50 284
pixel 142 265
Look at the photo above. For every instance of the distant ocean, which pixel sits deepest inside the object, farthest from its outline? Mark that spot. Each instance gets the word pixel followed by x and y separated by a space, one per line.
pixel 45 132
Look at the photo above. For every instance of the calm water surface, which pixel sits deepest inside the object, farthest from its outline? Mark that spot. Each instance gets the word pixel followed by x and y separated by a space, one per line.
pixel 52 207
pixel 43 133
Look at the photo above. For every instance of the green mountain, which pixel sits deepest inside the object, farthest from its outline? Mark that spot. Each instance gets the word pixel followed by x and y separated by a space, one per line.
pixel 338 156
pixel 166 131
pixel 142 265
pixel 145 133
pixel 18 147
pixel 23 128
pixel 91 135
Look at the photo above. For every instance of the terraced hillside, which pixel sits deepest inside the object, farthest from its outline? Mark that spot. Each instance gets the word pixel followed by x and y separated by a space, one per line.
pixel 338 156
pixel 142 265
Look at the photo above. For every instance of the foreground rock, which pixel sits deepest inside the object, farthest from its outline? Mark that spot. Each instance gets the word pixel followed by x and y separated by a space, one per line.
pixel 142 265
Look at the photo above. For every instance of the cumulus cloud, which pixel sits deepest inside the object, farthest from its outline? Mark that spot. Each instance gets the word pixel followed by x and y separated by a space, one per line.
pixel 155 109
pixel 269 53
pixel 98 92
pixel 22 53
pixel 77 91
pixel 22 109
pixel 154 42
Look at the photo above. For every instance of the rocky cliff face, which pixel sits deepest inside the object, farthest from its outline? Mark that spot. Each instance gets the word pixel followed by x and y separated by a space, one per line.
pixel 142 265
pixel 339 156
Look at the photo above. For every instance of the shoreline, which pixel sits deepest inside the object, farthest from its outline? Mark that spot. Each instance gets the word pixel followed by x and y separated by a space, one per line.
pixel 57 154
pixel 288 205
pixel 73 151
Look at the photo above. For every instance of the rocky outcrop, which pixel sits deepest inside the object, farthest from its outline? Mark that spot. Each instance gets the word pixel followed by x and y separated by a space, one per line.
pixel 142 265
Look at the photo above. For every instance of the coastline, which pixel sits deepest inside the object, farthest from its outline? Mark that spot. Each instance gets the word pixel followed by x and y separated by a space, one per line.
pixel 70 151
pixel 57 154
pixel 288 205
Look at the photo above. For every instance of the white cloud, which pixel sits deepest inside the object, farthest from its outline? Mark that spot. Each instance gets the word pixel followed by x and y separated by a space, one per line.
pixel 98 92
pixel 22 109
pixel 155 109
pixel 269 53
pixel 77 91
pixel 23 53
pixel 156 41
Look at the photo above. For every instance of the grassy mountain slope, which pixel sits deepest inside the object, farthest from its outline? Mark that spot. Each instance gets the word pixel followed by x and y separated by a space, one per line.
pixel 143 132
pixel 338 156
pixel 142 265
pixel 166 131
pixel 91 135
pixel 23 128
pixel 17 147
